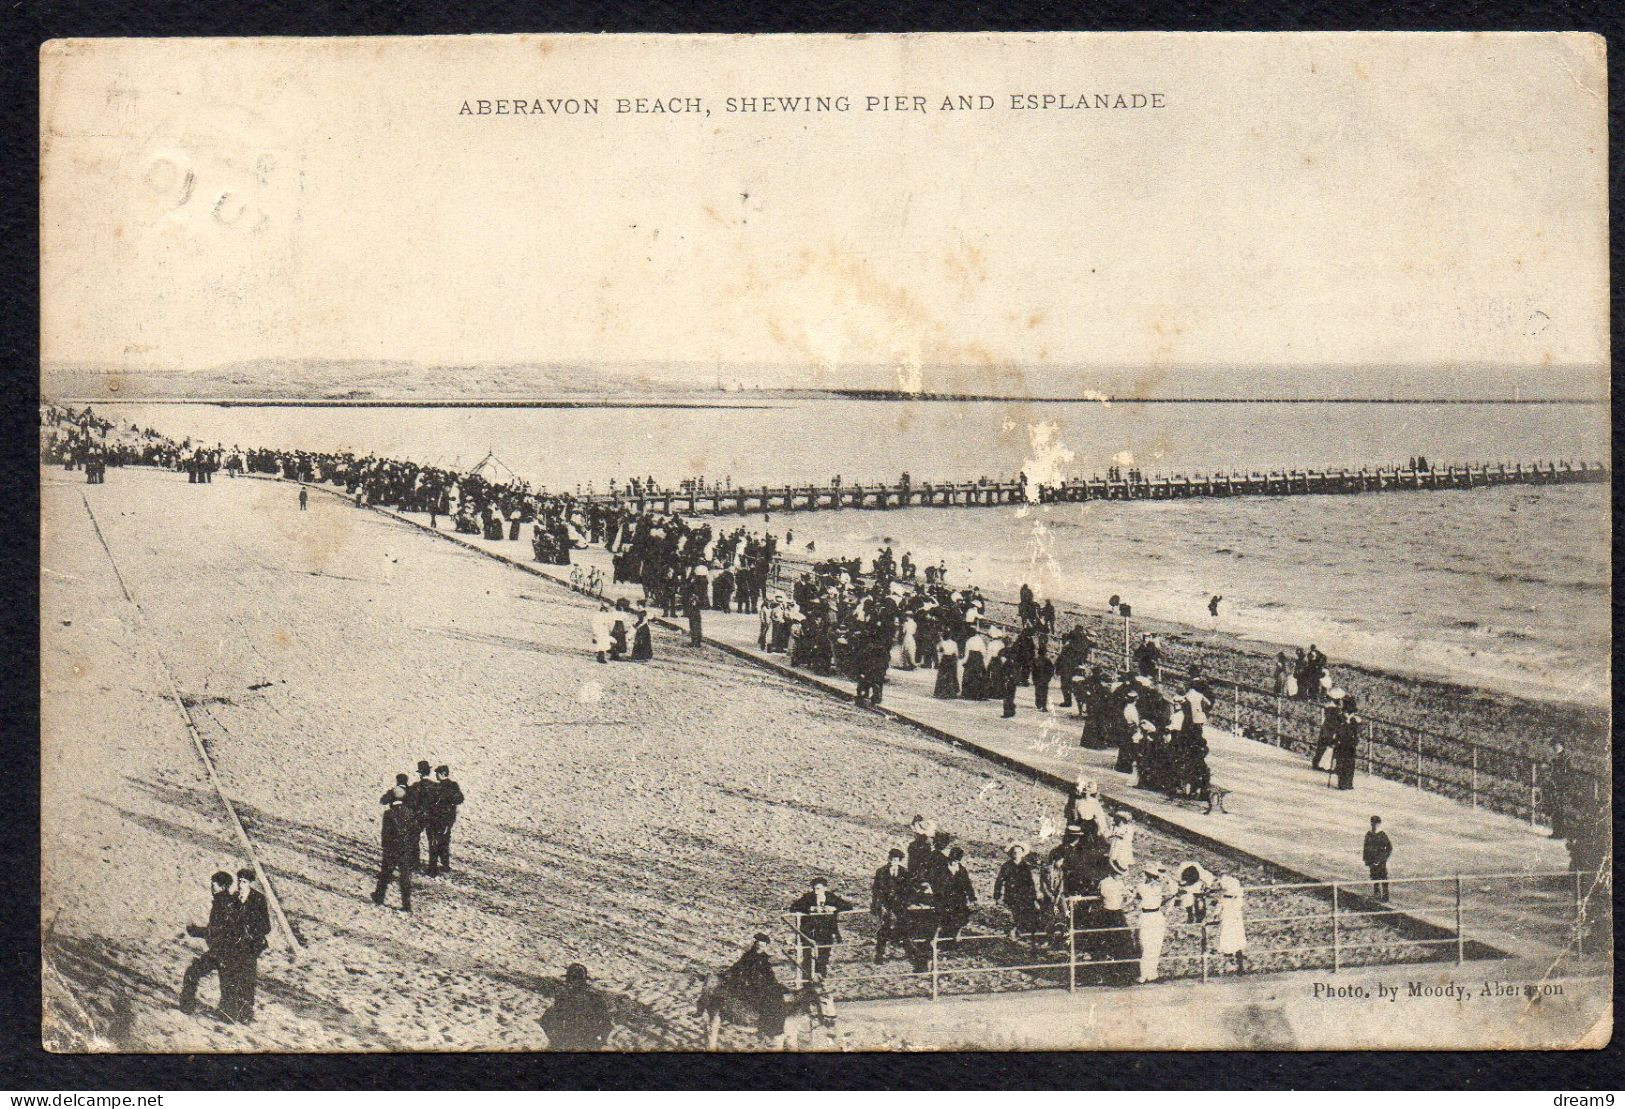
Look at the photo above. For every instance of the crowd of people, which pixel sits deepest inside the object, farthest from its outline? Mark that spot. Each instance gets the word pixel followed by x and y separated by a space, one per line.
pixel 833 618
pixel 1087 898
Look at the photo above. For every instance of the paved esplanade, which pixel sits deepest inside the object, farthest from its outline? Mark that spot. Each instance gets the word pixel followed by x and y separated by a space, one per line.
pixel 1279 808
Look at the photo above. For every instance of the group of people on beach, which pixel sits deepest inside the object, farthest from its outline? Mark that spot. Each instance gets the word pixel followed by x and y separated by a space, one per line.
pixel 416 814
pixel 622 632
pixel 236 934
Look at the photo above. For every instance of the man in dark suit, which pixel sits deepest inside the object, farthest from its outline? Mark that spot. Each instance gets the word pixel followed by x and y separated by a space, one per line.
pixel 399 837
pixel 1378 849
pixel 420 797
pixel 818 926
pixel 222 935
pixel 442 815
pixel 255 921
pixel 888 900
pixel 1043 672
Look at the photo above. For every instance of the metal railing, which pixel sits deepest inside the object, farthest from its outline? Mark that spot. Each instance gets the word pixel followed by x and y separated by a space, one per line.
pixel 1331 926
pixel 1482 775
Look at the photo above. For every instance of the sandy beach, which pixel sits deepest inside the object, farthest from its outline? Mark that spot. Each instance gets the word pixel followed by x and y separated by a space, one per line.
pixel 643 820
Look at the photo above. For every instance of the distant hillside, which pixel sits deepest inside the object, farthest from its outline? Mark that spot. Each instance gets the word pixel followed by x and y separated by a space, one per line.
pixel 353 380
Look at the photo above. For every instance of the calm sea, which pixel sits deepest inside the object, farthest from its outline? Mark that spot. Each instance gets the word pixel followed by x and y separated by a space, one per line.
pixel 1508 587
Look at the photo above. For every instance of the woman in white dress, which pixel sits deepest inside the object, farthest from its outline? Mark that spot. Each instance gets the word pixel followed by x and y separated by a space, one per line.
pixel 603 631
pixel 907 644
pixel 1232 926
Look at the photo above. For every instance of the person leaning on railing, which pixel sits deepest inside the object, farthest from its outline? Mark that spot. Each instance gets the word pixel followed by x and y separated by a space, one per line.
pixel 818 926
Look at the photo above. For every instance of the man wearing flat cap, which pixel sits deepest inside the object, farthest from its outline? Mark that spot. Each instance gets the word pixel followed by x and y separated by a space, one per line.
pixel 255 921
pixel 818 926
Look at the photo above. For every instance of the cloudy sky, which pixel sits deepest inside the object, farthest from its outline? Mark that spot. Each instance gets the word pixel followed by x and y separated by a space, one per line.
pixel 1427 201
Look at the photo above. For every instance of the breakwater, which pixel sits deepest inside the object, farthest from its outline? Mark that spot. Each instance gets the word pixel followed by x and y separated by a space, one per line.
pixel 1116 485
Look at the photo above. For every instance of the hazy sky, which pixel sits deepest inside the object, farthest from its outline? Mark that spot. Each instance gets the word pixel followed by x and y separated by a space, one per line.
pixel 1312 199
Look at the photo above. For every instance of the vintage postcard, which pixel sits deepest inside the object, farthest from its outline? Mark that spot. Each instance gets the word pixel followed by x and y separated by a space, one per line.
pixel 891 542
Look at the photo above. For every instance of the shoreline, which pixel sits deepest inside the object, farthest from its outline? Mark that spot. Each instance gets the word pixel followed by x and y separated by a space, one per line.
pixel 1497 683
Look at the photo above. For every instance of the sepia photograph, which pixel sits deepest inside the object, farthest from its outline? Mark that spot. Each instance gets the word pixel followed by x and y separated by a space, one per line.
pixel 825 543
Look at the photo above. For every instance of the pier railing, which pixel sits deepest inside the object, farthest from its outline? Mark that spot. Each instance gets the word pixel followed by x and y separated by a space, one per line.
pixel 1114 486
pixel 1332 926
pixel 1477 773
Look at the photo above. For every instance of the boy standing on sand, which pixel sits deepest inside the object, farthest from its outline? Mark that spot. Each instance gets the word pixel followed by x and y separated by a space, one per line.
pixel 223 936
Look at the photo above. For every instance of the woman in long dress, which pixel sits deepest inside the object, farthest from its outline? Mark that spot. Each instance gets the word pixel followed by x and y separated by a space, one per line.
pixel 1232 926
pixel 603 624
pixel 973 685
pixel 642 639
pixel 947 670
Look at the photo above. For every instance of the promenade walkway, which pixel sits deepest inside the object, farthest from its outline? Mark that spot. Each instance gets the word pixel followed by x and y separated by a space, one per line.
pixel 1278 809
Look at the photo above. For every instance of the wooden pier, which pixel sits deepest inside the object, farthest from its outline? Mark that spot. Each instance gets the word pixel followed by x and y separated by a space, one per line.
pixel 1118 485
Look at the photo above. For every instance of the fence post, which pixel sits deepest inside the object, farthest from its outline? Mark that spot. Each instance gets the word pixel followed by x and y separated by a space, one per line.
pixel 933 967
pixel 1418 760
pixel 1278 725
pixel 1460 942
pixel 1370 741
pixel 1071 947
pixel 1204 950
pixel 1126 665
pixel 796 925
pixel 1235 712
pixel 1337 934
pixel 1475 775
